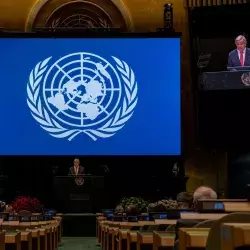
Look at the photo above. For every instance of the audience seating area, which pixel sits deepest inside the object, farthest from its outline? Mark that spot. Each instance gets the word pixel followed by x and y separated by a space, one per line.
pixel 38 235
pixel 225 231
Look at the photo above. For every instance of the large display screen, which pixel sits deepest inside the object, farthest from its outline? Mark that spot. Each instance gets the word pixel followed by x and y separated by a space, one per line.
pixel 90 96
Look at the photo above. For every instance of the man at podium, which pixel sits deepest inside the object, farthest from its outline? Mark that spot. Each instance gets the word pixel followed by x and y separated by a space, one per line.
pixel 239 57
pixel 76 169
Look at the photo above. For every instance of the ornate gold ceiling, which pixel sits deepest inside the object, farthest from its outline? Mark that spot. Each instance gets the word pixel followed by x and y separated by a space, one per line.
pixel 79 14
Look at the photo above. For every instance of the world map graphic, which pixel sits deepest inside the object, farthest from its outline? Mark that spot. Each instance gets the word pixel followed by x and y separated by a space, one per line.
pixel 88 92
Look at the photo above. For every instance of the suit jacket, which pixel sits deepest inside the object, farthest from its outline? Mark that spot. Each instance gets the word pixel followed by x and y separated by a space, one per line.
pixel 234 61
pixel 80 171
pixel 184 223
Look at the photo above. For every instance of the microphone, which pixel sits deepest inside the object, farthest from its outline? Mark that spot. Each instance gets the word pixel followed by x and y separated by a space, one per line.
pixel 176 169
pixel 105 168
pixel 55 170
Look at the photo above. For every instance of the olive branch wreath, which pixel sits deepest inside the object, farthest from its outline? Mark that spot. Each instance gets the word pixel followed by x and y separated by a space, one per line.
pixel 114 124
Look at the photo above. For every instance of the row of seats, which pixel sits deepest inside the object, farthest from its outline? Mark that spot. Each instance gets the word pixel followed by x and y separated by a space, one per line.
pixel 219 231
pixel 38 235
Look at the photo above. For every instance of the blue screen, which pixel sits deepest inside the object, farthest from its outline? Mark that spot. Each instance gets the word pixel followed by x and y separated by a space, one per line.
pixel 219 206
pixel 92 96
pixel 163 216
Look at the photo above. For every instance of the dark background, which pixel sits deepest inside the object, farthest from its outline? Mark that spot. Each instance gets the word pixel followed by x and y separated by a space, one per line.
pixel 149 177
pixel 238 174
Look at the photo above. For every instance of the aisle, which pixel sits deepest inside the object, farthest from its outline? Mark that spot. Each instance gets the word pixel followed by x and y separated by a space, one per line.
pixel 79 243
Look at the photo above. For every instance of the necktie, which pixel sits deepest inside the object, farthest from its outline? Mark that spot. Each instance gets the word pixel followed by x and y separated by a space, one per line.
pixel 241 59
pixel 76 170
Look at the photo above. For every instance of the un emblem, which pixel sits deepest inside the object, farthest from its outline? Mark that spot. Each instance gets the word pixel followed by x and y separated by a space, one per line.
pixel 79 181
pixel 82 93
pixel 245 78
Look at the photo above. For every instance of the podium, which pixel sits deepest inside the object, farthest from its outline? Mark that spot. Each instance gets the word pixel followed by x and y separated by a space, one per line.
pixel 225 80
pixel 78 194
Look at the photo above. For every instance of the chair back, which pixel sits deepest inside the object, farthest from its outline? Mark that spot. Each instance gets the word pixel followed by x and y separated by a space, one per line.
pixel 171 228
pixel 24 213
pixel 205 224
pixel 214 237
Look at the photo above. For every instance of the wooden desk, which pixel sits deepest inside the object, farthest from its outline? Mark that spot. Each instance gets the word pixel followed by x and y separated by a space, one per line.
pixel 122 239
pixel 193 237
pixel 2 240
pixel 35 234
pixel 130 224
pixel 97 228
pixel 110 241
pixel 10 224
pixel 104 237
pixel 46 239
pixel 235 235
pixel 108 232
pixel 13 240
pixel 26 240
pixel 165 222
pixel 103 225
pixel 49 238
pixel 236 206
pixel 131 238
pixel 99 223
pixel 144 238
pixel 43 239
pixel 54 230
pixel 200 216
pixel 163 239
pixel 59 231
pixel 189 216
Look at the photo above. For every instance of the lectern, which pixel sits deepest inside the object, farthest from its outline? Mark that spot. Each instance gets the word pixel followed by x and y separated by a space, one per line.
pixel 78 194
pixel 225 80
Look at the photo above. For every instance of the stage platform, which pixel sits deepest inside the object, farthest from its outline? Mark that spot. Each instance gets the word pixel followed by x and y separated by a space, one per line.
pixel 79 225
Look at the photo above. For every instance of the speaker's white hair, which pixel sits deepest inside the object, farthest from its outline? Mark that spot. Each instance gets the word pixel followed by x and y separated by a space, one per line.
pixel 240 38
pixel 204 193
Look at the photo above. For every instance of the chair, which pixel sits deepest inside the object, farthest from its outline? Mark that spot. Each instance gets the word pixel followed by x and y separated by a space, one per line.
pixel 214 237
pixel 205 224
pixel 171 228
pixel 24 213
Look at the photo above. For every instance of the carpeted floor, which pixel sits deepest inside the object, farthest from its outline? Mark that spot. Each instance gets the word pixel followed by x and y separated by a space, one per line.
pixel 79 243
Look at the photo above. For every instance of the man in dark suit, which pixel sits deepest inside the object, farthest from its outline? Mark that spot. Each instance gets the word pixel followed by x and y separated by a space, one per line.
pixel 241 55
pixel 202 192
pixel 184 200
pixel 76 169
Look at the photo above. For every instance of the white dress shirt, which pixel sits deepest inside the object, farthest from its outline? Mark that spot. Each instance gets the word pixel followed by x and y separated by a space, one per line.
pixel 76 170
pixel 244 55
